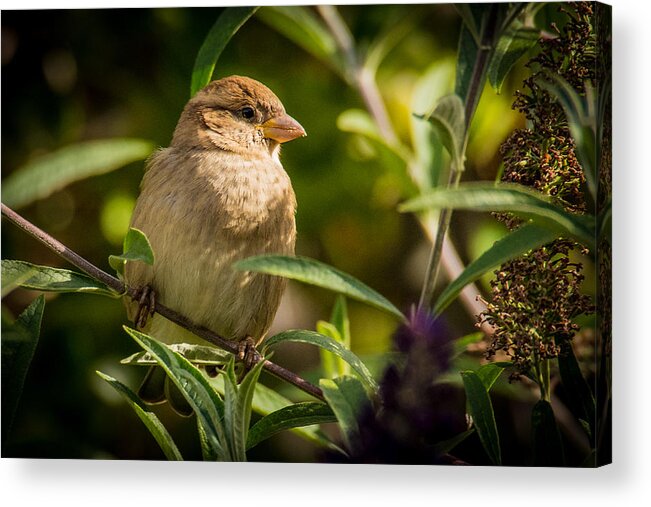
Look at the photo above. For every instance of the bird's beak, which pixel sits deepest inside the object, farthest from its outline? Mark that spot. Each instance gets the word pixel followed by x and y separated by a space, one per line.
pixel 282 128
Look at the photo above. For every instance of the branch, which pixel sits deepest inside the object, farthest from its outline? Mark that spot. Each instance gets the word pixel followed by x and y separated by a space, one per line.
pixel 359 75
pixel 120 287
pixel 477 81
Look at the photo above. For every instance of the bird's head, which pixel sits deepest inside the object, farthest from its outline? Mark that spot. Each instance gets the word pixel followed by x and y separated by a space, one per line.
pixel 236 114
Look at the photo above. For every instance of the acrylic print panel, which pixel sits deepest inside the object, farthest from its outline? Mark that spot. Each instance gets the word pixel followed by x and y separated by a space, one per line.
pixel 423 279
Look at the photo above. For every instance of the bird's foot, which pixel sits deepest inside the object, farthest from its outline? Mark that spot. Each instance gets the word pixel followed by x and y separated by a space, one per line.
pixel 248 355
pixel 146 298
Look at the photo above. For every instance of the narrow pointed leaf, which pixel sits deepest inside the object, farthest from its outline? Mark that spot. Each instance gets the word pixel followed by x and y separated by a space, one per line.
pixel 136 247
pixel 467 52
pixel 516 243
pixel 13 278
pixel 329 363
pixel 317 273
pixel 469 21
pixel 207 451
pixel 228 23
pixel 204 400
pixel 449 123
pixel 481 411
pixel 395 157
pixel 147 416
pixel 243 407
pixel 327 343
pixel 52 172
pixel 511 46
pixel 581 399
pixel 196 354
pixel 517 199
pixel 460 345
pixel 50 279
pixel 19 342
pixel 293 416
pixel 266 401
pixel 300 25
pixel 348 400
pixel 547 444
pixel 489 373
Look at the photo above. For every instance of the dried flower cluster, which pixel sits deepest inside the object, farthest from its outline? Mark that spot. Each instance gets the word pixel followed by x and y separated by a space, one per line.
pixel 535 297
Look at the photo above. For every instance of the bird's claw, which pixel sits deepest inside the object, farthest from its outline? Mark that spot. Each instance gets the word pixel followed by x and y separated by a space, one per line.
pixel 146 298
pixel 248 354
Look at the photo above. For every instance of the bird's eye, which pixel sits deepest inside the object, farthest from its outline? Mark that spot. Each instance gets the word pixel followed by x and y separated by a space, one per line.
pixel 247 112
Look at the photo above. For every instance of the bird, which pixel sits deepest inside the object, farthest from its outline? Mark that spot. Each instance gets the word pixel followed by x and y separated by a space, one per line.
pixel 216 195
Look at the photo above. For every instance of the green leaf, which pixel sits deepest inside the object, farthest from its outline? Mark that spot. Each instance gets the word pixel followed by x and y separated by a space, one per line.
pixel 489 373
pixel 266 400
pixel 52 172
pixel 461 344
pixel 295 415
pixel 196 354
pixel 395 157
pixel 339 319
pixel 467 52
pixel 517 199
pixel 196 389
pixel 429 158
pixel 136 247
pixel 329 363
pixel 302 27
pixel 348 400
pixel 13 278
pixel 339 330
pixel 469 21
pixel 317 273
pixel 242 412
pixel 19 342
pixel 207 452
pixel 481 411
pixel 50 279
pixel 228 23
pixel 522 240
pixel 149 418
pixel 511 46
pixel 449 123
pixel 547 444
pixel 581 399
pixel 327 343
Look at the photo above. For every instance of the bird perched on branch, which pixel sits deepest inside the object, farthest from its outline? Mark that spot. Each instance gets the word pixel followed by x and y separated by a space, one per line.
pixel 216 195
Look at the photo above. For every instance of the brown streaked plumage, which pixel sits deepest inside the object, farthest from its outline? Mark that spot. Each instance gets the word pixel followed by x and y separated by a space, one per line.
pixel 216 195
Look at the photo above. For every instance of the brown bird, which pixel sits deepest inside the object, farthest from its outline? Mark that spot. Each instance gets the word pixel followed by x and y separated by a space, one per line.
pixel 216 195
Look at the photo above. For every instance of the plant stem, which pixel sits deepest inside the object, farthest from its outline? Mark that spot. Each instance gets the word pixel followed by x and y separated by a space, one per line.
pixel 121 288
pixel 434 263
pixel 477 81
pixel 360 77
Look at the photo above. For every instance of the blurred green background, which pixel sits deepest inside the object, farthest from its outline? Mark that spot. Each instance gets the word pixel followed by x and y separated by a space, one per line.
pixel 74 75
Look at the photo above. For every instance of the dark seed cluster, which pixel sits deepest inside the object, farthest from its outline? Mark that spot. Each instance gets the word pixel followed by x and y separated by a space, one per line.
pixel 536 297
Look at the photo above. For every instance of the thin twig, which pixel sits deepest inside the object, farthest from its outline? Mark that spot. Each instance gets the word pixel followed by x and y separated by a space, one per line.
pixel 359 75
pixel 477 81
pixel 121 288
